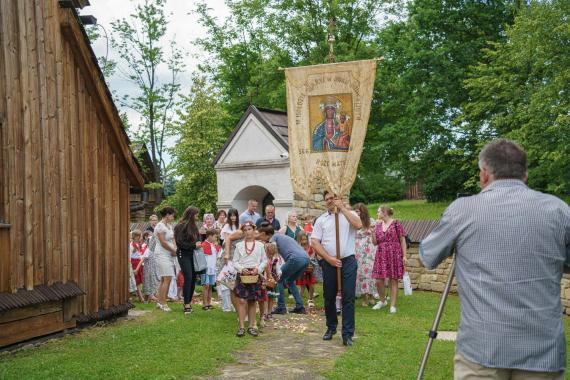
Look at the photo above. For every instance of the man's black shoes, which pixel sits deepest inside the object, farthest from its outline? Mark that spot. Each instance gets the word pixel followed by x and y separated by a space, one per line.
pixel 347 341
pixel 329 334
pixel 299 310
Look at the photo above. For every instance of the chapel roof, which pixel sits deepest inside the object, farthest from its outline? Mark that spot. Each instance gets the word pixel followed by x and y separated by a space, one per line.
pixel 274 120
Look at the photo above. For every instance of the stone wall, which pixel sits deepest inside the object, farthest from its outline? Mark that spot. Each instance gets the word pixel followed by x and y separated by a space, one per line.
pixel 435 279
pixel 314 206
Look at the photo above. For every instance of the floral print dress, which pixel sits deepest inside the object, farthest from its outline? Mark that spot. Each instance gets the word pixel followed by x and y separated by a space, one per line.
pixel 389 261
pixel 365 252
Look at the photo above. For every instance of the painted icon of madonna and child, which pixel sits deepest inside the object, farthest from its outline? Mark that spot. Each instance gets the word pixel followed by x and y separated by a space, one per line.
pixel 330 116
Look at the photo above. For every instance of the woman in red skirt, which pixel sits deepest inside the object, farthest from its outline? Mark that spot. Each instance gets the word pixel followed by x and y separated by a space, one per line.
pixel 249 260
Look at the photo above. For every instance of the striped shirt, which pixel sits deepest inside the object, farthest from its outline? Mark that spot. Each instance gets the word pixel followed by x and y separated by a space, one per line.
pixel 512 244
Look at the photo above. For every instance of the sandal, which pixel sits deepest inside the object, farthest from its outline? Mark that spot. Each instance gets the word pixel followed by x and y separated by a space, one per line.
pixel 187 310
pixel 240 332
pixel 252 331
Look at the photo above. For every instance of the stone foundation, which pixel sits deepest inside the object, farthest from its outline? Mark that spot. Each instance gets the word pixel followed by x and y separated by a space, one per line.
pixel 314 206
pixel 435 279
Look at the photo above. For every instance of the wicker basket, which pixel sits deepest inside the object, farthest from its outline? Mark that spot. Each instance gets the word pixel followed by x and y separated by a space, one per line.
pixel 248 279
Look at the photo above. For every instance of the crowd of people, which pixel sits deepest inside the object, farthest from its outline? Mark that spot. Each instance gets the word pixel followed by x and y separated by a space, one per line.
pixel 271 259
pixel 511 244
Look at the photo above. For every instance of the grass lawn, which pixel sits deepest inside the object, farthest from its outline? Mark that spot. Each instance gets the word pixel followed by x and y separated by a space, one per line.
pixel 169 346
pixel 155 346
pixel 391 346
pixel 412 209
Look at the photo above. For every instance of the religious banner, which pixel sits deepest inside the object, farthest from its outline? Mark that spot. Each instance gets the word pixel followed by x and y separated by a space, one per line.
pixel 327 109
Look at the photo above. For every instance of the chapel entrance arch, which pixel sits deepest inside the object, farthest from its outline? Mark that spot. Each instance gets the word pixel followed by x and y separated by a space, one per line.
pixel 259 193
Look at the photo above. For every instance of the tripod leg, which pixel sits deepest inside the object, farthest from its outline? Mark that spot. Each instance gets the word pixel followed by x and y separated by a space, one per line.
pixel 433 332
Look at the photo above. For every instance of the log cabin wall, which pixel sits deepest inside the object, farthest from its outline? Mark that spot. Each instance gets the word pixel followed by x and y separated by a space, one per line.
pixel 65 168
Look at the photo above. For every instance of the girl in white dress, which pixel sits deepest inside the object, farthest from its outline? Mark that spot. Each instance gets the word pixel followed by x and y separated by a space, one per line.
pixel 165 254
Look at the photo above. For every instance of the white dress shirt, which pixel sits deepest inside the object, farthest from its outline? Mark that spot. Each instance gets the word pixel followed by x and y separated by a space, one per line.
pixel 325 231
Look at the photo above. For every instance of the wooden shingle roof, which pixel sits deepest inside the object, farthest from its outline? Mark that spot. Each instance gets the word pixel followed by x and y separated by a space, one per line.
pixel 40 294
pixel 417 230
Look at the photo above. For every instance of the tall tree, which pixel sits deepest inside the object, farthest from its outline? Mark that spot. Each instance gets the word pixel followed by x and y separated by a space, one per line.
pixel 138 40
pixel 521 90
pixel 419 90
pixel 203 127
pixel 260 36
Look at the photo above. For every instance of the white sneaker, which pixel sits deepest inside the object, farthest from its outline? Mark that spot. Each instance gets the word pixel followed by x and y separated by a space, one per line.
pixel 163 307
pixel 392 309
pixel 379 305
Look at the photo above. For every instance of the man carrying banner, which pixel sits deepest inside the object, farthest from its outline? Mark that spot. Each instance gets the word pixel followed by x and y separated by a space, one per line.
pixel 324 243
pixel 327 114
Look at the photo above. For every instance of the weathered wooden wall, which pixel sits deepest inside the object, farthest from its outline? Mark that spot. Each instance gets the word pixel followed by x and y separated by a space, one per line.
pixel 65 166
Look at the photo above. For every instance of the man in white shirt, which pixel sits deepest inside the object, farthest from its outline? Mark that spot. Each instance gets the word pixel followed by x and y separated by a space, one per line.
pixel 323 240
pixel 249 214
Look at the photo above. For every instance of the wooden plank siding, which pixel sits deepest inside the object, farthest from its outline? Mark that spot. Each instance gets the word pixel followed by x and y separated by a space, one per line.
pixel 65 165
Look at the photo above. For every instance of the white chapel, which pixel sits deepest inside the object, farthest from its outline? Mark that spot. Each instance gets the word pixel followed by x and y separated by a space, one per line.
pixel 254 163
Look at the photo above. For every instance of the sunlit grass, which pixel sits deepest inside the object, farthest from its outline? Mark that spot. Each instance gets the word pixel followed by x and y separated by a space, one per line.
pixel 412 209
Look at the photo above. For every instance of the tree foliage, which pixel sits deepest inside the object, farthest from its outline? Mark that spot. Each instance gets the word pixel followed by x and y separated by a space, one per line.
pixel 260 36
pixel 138 41
pixel 521 90
pixel 419 91
pixel 203 127
pixel 419 88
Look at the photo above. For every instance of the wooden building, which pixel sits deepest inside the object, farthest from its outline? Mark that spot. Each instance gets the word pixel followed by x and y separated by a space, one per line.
pixel 65 173
pixel 144 201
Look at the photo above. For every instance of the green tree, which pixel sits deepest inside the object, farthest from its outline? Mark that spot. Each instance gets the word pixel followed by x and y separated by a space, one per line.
pixel 203 127
pixel 260 36
pixel 107 65
pixel 138 40
pixel 521 90
pixel 419 91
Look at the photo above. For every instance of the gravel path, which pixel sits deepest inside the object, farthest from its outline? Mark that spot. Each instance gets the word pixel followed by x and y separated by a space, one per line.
pixel 290 347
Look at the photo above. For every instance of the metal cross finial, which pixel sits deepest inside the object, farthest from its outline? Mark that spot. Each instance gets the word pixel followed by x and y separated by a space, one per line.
pixel 331 39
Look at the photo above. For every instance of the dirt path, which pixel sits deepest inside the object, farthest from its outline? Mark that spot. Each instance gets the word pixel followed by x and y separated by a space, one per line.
pixel 290 347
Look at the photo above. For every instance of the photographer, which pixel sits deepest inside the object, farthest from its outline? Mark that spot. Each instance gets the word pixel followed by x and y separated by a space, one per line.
pixel 511 246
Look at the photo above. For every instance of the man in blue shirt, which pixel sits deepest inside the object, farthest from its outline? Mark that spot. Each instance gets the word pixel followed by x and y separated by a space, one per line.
pixel 511 244
pixel 249 214
pixel 296 261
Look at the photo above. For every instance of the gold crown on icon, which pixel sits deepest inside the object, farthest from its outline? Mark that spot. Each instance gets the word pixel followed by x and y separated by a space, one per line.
pixel 331 102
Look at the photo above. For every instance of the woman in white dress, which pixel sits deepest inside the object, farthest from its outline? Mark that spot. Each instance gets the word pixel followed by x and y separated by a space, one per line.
pixel 165 254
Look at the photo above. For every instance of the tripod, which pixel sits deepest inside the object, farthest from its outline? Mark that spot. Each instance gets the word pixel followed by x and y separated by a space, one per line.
pixel 433 332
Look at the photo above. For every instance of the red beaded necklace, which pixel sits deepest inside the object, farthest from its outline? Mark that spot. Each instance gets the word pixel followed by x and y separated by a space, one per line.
pixel 247 250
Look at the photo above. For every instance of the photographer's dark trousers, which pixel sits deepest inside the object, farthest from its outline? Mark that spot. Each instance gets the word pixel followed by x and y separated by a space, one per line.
pixel 186 261
pixel 348 279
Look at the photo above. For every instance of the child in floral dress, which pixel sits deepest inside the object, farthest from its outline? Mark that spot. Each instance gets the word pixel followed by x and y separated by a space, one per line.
pixel 307 279
pixel 272 272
